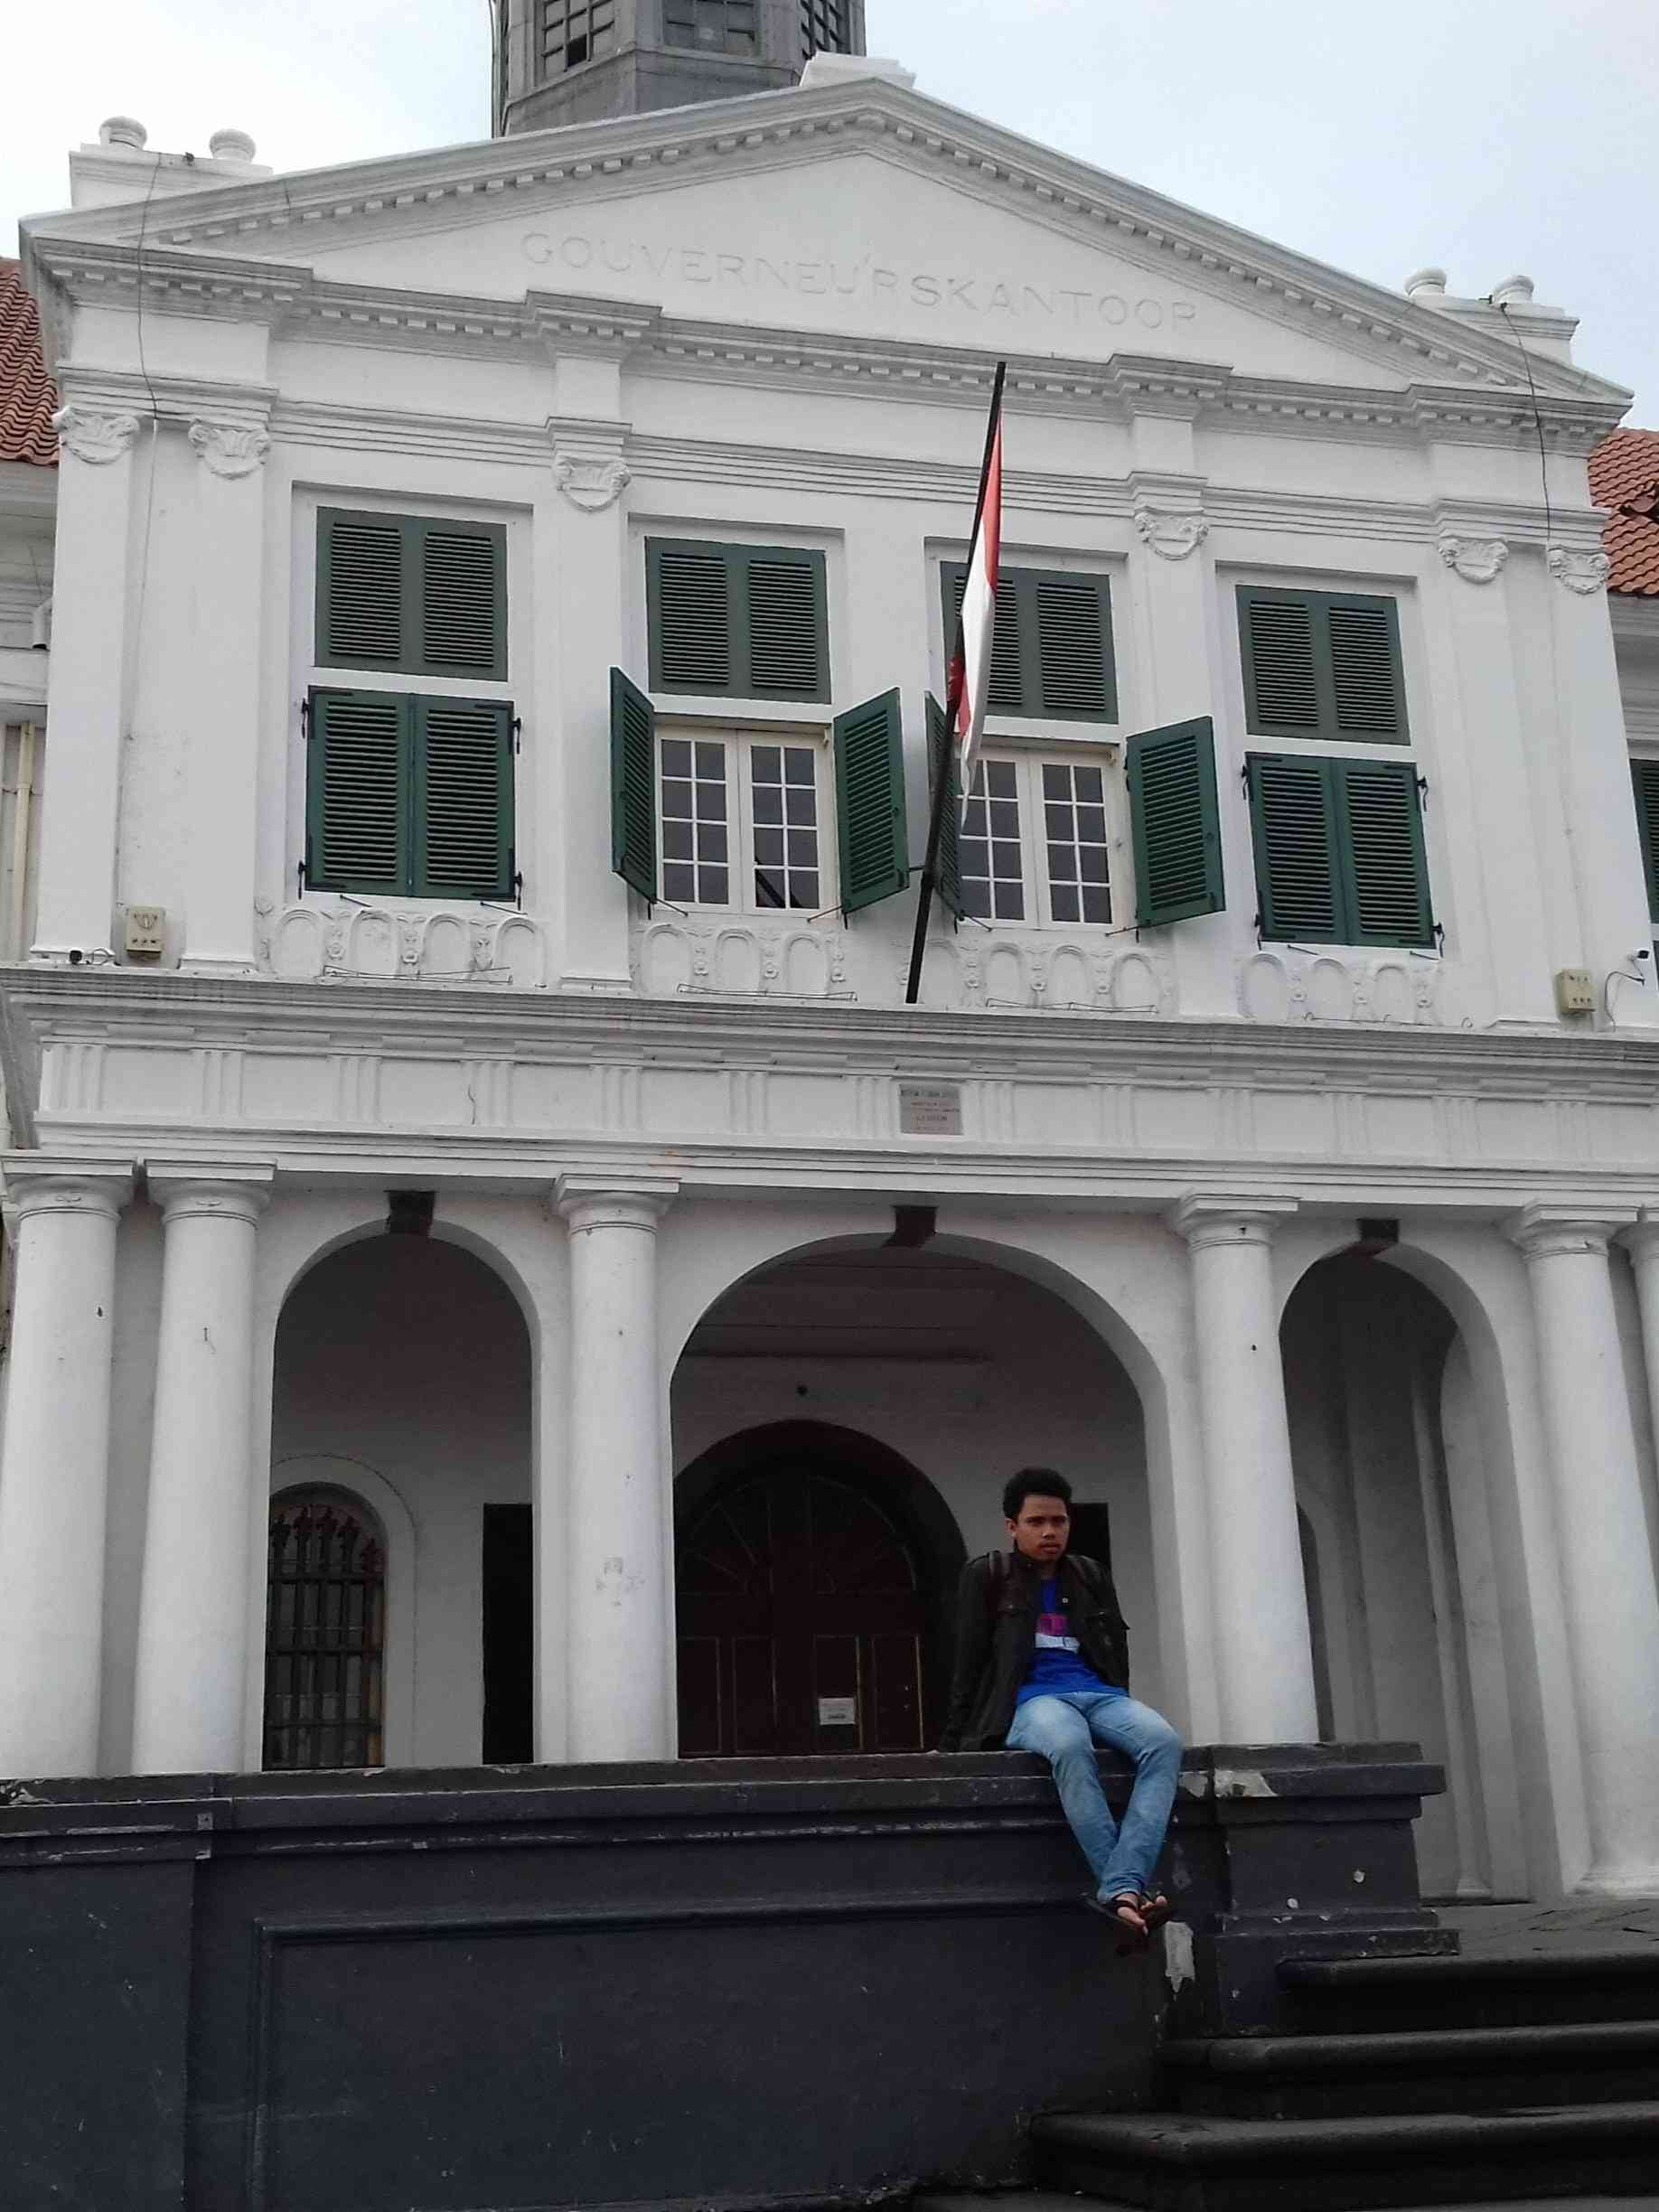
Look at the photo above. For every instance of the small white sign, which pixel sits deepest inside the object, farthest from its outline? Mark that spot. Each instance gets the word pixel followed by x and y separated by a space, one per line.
pixel 837 1712
pixel 929 1109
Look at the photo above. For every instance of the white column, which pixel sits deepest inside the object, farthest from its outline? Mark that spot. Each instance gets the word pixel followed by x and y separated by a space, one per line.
pixel 188 1713
pixel 221 798
pixel 1607 1562
pixel 619 1541
pixel 87 686
pixel 55 1465
pixel 1263 1650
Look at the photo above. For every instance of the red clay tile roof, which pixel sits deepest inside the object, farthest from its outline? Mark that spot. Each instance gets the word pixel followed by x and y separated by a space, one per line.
pixel 28 398
pixel 1624 472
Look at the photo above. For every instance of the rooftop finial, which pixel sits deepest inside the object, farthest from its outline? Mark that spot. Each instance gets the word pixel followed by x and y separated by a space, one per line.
pixel 123 131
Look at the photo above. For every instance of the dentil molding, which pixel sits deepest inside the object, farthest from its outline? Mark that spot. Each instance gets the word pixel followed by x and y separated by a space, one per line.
pixel 1477 560
pixel 93 435
pixel 1170 534
pixel 591 485
pixel 1581 572
pixel 230 449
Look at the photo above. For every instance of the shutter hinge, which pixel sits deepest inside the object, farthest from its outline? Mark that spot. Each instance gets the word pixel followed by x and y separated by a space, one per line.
pixel 517 726
pixel 517 883
pixel 300 872
pixel 1245 778
pixel 1422 793
pixel 305 719
pixel 1439 937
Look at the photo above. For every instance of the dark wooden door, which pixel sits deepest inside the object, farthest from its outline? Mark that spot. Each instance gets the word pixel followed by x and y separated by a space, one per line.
pixel 801 1618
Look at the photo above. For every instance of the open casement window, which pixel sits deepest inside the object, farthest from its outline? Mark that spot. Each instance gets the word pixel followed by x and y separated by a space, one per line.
pixel 1645 782
pixel 1051 657
pixel 1339 850
pixel 411 595
pixel 1322 664
pixel 740 819
pixel 737 622
pixel 1034 842
pixel 873 832
pixel 409 796
pixel 1174 822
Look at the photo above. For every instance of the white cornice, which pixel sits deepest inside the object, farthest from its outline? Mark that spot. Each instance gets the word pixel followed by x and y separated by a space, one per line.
pixel 579 161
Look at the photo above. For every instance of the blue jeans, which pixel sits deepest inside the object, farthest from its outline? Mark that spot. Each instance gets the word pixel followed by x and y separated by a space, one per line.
pixel 1065 1730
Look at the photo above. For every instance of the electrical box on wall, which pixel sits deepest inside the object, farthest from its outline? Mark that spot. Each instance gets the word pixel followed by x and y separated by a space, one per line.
pixel 1575 991
pixel 147 928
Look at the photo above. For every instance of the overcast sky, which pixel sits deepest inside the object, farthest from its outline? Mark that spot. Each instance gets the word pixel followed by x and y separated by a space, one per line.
pixel 1488 135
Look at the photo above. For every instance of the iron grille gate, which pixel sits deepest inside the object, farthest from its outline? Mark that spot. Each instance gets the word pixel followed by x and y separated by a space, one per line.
pixel 325 1637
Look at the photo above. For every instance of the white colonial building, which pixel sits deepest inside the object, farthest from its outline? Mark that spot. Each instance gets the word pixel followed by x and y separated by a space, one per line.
pixel 496 599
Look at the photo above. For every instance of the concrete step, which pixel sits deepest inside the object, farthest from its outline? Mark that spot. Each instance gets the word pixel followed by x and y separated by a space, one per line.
pixel 1462 2069
pixel 1492 1990
pixel 1192 2163
pixel 1047 2200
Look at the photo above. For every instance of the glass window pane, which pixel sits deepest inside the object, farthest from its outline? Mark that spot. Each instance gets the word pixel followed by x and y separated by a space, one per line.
pixel 1097 902
pixel 675 757
pixel 769 847
pixel 678 883
pixel 802 848
pixel 999 779
pixel 1004 818
pixel 1091 825
pixel 1062 899
pixel 676 840
pixel 768 763
pixel 806 890
pixel 676 799
pixel 711 841
pixel 803 804
pixel 1061 864
pixel 1055 781
pixel 713 886
pixel 798 764
pixel 1090 787
pixel 1075 821
pixel 768 802
pixel 711 762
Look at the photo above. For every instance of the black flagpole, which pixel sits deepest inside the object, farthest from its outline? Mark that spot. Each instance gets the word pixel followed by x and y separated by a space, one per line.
pixel 953 695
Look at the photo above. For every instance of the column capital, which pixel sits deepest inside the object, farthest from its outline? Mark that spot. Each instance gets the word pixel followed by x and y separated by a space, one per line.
pixel 40 1182
pixel 1642 1238
pixel 95 435
pixel 1225 1217
pixel 613 1202
pixel 1546 1232
pixel 230 449
pixel 230 1191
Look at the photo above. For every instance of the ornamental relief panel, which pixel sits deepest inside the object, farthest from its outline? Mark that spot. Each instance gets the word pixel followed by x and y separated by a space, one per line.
pixel 93 435
pixel 311 943
pixel 1581 572
pixel 1340 986
pixel 741 959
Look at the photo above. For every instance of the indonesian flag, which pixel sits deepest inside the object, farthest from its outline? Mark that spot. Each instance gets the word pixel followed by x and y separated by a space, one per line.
pixel 976 634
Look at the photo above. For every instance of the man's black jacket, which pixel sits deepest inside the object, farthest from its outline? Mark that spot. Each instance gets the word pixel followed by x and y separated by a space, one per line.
pixel 996 1606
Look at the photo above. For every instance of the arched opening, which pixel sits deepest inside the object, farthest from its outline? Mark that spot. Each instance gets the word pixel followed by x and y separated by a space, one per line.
pixel 1398 1553
pixel 843 1422
pixel 409 1356
pixel 324 1635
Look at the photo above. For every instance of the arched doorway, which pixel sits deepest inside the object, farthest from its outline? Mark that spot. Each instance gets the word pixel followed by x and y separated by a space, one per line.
pixel 407 1356
pixel 1398 1552
pixel 812 1573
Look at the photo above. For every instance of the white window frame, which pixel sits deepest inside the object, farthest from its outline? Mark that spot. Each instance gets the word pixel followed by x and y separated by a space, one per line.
pixel 738 740
pixel 1028 762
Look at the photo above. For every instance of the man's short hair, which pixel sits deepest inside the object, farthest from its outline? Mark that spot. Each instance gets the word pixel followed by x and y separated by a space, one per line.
pixel 1033 1482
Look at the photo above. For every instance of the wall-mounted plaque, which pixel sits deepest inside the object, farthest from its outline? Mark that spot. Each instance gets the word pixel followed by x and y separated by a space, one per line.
pixel 929 1109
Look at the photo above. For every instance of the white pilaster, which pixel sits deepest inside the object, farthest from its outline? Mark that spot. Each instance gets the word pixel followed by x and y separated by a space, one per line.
pixel 55 1467
pixel 192 1612
pixel 220 797
pixel 1264 1650
pixel 86 686
pixel 1606 1557
pixel 619 1539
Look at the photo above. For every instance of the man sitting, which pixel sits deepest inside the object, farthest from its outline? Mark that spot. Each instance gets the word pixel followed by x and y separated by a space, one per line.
pixel 1042 1664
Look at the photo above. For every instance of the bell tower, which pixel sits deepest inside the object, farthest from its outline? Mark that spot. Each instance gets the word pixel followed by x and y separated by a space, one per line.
pixel 581 61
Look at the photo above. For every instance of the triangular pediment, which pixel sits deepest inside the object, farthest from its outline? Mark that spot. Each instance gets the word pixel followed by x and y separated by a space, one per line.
pixel 861 210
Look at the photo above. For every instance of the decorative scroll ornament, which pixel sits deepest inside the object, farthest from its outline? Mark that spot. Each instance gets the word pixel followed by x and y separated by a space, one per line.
pixel 230 449
pixel 1477 560
pixel 1171 535
pixel 1581 572
pixel 94 435
pixel 591 485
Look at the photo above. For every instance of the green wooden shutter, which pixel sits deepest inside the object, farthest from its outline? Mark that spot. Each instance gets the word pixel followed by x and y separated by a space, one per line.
pixel 1281 689
pixel 869 797
pixel 1294 826
pixel 1071 640
pixel 1176 822
pixel 737 622
pixel 1384 869
pixel 941 762
pixel 362 567
pixel 785 624
pixel 689 589
pixel 634 786
pixel 462 579
pixel 1322 664
pixel 1644 781
pixel 463 799
pixel 357 791
pixel 1367 678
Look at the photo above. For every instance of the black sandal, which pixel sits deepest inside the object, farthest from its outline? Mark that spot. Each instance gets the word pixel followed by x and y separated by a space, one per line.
pixel 1123 1908
pixel 1155 1909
